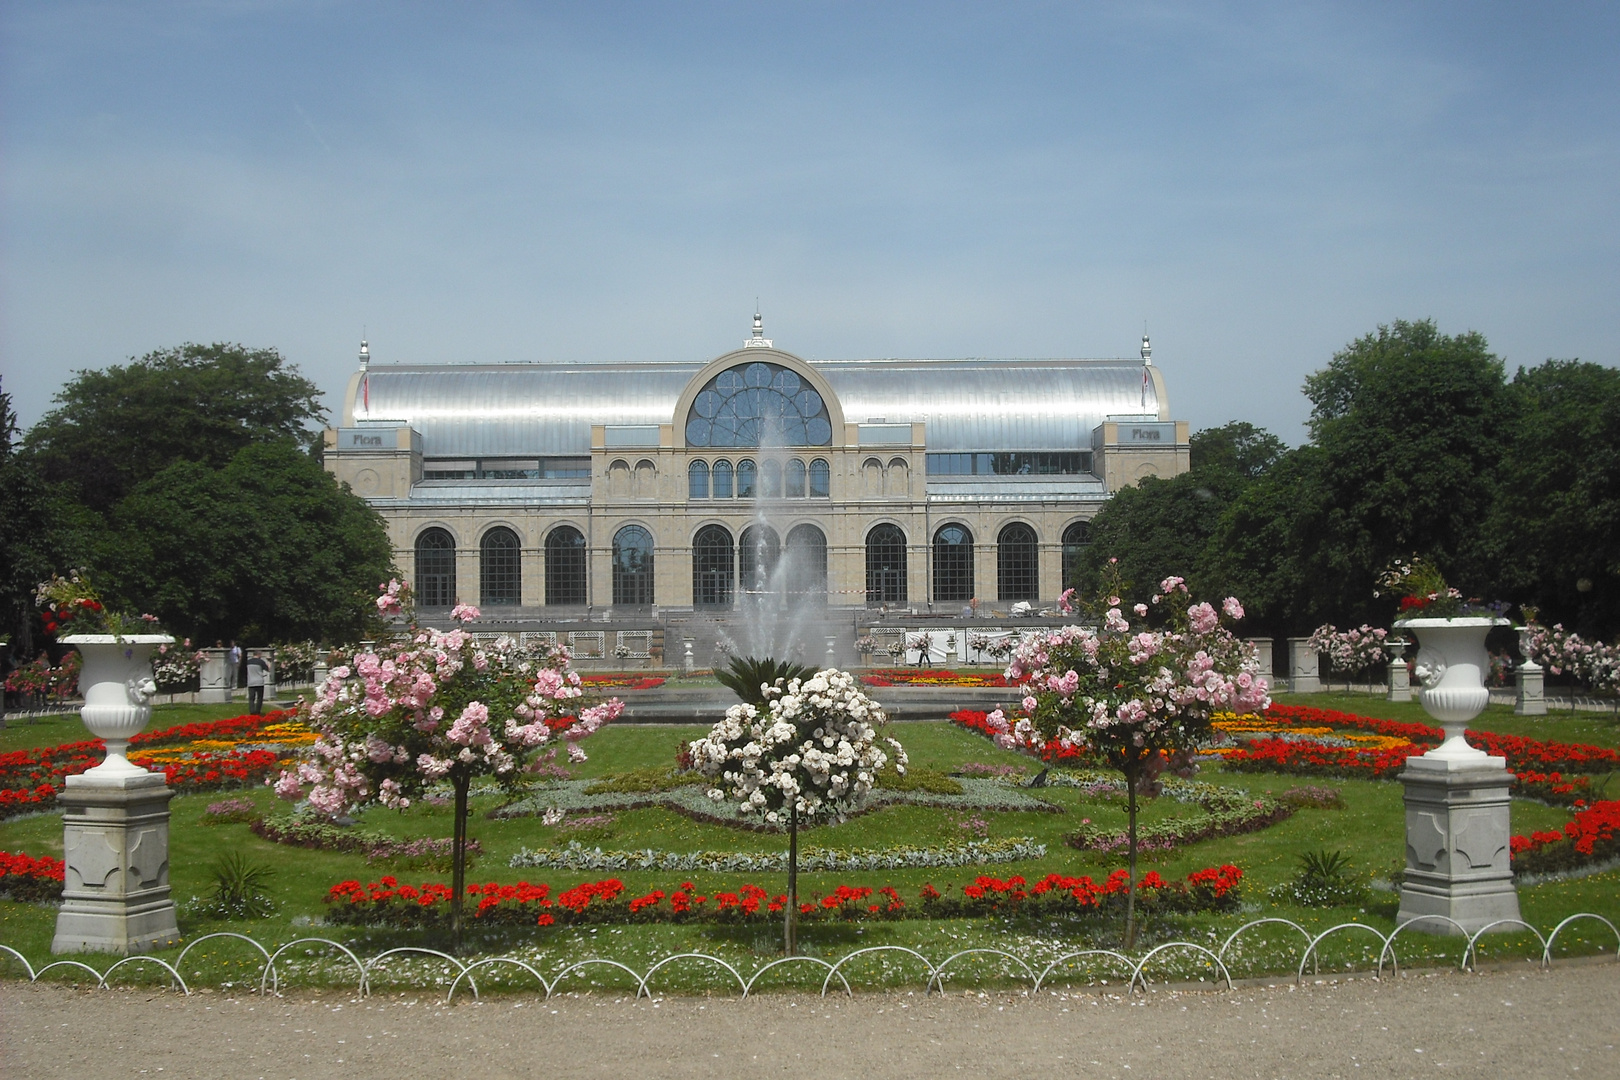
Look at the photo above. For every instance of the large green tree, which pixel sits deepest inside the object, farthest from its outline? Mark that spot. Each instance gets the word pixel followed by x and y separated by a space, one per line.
pixel 114 428
pixel 269 548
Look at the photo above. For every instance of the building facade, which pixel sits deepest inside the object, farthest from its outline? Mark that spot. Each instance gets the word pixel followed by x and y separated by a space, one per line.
pixel 924 485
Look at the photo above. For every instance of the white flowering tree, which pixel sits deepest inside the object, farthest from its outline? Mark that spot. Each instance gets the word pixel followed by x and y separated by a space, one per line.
pixel 426 707
pixel 1139 695
pixel 805 750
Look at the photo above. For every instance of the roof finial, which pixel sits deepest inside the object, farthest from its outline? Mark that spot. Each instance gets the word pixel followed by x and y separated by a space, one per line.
pixel 1147 349
pixel 759 340
pixel 365 354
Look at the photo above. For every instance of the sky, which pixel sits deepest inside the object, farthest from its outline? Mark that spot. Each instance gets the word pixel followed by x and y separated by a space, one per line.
pixel 1258 184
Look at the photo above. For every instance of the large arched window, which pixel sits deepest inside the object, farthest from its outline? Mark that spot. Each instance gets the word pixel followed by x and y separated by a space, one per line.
pixel 500 569
pixel 565 567
pixel 1017 564
pixel 632 566
pixel 805 559
pixel 713 568
pixel 1076 538
pixel 886 565
pixel 953 565
pixel 435 568
pixel 745 479
pixel 820 479
pixel 741 405
pixel 697 480
pixel 771 476
pixel 722 479
pixel 757 552
pixel 794 479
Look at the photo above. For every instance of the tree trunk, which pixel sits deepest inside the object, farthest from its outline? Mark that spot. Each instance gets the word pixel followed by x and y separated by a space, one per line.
pixel 1132 770
pixel 458 863
pixel 790 925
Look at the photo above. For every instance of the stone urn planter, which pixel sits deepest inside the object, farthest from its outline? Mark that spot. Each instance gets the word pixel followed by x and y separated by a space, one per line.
pixel 1451 666
pixel 116 682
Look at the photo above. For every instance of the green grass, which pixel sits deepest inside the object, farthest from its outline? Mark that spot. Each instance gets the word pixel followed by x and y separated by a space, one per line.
pixel 1369 829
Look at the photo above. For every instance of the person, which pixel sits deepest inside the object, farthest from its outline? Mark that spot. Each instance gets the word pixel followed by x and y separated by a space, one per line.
pixel 235 673
pixel 258 673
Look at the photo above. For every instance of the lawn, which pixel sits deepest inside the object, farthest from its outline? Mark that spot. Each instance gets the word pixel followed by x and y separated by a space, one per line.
pixel 1368 830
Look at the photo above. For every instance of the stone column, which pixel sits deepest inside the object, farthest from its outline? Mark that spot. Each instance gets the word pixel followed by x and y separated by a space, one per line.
pixel 1400 679
pixel 1302 673
pixel 213 679
pixel 1457 830
pixel 115 897
pixel 1530 681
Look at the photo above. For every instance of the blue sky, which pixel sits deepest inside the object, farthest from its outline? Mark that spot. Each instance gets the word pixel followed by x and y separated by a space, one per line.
pixel 1260 183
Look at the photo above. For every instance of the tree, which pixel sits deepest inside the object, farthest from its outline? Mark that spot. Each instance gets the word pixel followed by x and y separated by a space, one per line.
pixel 267 548
pixel 113 429
pixel 1262 545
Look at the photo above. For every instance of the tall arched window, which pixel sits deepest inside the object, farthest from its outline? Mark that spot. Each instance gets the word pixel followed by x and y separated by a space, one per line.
pixel 745 479
pixel 820 479
pixel 500 569
pixel 565 567
pixel 697 480
pixel 722 479
pixel 805 558
pixel 435 568
pixel 757 552
pixel 741 404
pixel 953 565
pixel 713 567
pixel 794 479
pixel 632 566
pixel 1017 564
pixel 886 565
pixel 771 472
pixel 1075 540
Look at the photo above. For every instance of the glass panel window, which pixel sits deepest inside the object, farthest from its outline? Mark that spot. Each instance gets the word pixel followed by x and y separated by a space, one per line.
pixel 820 479
pixel 758 550
pixel 953 565
pixel 886 565
pixel 805 561
pixel 697 480
pixel 435 569
pixel 741 404
pixel 500 570
pixel 1012 463
pixel 632 566
pixel 722 479
pixel 772 472
pixel 1017 564
pixel 713 568
pixel 745 479
pixel 565 567
pixel 1076 538
pixel 794 480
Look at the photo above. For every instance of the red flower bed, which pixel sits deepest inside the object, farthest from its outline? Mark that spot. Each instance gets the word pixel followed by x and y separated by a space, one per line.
pixel 1592 835
pixel 931 677
pixel 237 727
pixel 977 721
pixel 387 902
pixel 24 877
pixel 622 682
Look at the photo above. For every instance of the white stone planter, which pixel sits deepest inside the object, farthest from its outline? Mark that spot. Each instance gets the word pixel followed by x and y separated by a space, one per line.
pixel 117 685
pixel 1451 665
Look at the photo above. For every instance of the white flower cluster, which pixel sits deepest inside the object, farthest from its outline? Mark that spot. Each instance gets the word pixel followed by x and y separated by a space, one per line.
pixel 814 748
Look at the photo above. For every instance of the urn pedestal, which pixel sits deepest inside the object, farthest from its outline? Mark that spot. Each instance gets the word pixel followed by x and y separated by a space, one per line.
pixel 1457 815
pixel 1529 682
pixel 1304 676
pixel 1400 680
pixel 115 817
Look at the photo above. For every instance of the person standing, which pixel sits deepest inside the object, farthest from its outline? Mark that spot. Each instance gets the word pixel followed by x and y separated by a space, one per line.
pixel 258 673
pixel 235 673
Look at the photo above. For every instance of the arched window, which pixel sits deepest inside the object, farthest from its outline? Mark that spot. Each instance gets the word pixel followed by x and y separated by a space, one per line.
pixel 820 479
pixel 565 567
pixel 742 403
pixel 1076 538
pixel 435 569
pixel 886 565
pixel 805 559
pixel 500 569
pixel 953 565
pixel 632 566
pixel 1017 564
pixel 722 479
pixel 745 479
pixel 794 480
pixel 757 552
pixel 771 475
pixel 697 480
pixel 712 567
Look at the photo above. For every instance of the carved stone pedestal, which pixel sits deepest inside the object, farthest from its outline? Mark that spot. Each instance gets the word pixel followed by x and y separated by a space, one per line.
pixel 1530 684
pixel 1457 832
pixel 116 845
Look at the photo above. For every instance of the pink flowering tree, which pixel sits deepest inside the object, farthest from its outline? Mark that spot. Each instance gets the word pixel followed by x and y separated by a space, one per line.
pixel 1137 691
pixel 428 707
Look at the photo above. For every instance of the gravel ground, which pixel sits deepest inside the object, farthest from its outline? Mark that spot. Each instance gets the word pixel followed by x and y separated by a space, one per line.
pixel 1514 1023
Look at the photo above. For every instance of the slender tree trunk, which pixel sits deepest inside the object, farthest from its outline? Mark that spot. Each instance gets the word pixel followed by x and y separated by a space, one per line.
pixel 1131 772
pixel 790 925
pixel 458 863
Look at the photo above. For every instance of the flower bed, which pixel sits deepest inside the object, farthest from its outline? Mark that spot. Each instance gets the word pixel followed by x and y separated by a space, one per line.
pixel 1592 836
pixel 388 903
pixel 622 682
pixel 971 853
pixel 1008 737
pixel 425 852
pixel 25 877
pixel 1225 812
pixel 931 677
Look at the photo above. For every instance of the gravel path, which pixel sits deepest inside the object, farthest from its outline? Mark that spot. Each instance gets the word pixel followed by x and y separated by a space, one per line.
pixel 1511 1024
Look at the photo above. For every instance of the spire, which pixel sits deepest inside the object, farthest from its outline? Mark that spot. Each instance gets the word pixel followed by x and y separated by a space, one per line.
pixel 365 355
pixel 1147 349
pixel 759 340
